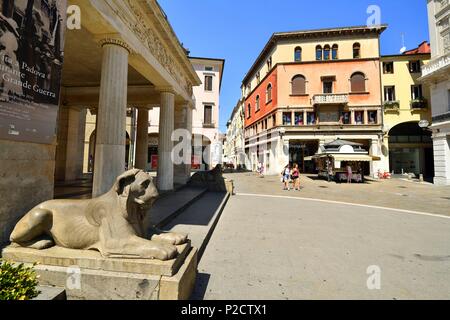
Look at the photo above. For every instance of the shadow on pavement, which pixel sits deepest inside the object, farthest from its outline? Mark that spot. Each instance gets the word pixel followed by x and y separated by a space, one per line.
pixel 201 284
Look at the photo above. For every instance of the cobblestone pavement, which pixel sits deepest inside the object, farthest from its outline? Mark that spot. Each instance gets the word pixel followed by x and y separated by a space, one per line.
pixel 393 193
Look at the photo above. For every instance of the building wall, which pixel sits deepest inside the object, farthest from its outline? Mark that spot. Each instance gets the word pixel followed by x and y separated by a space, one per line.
pixel 440 97
pixel 27 179
pixel 266 107
pixel 284 51
pixel 402 79
pixel 343 70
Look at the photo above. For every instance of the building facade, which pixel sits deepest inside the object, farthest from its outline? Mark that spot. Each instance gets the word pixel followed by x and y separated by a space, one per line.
pixel 436 75
pixel 406 105
pixel 207 147
pixel 308 88
pixel 234 148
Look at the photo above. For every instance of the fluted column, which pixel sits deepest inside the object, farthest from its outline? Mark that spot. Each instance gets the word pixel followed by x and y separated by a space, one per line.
pixel 142 139
pixel 165 146
pixel 111 117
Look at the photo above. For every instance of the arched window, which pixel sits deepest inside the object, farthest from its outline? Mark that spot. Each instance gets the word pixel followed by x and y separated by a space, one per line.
pixel 318 53
pixel 257 103
pixel 298 85
pixel 334 52
pixel 356 51
pixel 358 82
pixel 269 93
pixel 249 111
pixel 298 54
pixel 326 52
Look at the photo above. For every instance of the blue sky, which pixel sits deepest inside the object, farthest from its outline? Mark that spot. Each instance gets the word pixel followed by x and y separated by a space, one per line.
pixel 238 30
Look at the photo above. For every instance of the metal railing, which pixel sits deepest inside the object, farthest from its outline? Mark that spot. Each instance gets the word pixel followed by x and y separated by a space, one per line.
pixel 330 98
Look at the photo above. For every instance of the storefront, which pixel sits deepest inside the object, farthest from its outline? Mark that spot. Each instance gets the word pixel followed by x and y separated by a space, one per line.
pixel 301 152
pixel 340 158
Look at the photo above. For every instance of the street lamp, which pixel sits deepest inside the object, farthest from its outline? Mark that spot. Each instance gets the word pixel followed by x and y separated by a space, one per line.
pixel 282 132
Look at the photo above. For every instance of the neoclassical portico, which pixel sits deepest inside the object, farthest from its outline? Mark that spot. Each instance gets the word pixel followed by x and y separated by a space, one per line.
pixel 127 56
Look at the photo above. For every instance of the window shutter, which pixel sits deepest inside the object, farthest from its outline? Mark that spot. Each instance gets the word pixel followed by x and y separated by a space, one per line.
pixel 298 85
pixel 358 81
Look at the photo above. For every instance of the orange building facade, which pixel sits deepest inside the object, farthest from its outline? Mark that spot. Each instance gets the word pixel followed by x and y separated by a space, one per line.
pixel 308 88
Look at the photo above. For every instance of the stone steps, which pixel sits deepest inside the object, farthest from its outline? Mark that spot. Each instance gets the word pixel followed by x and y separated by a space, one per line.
pixel 200 219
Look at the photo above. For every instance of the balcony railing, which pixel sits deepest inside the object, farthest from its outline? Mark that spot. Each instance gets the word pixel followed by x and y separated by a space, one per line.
pixel 392 105
pixel 435 65
pixel 209 125
pixel 419 104
pixel 330 98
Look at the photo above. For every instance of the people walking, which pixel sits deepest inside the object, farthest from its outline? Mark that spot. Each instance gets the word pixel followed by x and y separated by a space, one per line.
pixel 349 174
pixel 286 176
pixel 329 170
pixel 296 177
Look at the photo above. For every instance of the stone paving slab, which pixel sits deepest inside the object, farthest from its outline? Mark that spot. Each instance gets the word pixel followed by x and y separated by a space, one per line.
pixel 170 205
pixel 200 219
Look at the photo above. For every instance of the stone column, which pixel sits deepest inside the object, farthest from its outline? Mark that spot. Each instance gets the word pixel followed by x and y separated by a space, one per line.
pixel 166 127
pixel 75 144
pixel 182 120
pixel 366 117
pixel 111 117
pixel 189 119
pixel 352 117
pixel 142 139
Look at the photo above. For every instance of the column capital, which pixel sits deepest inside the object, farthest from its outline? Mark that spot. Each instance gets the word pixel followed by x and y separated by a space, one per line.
pixel 113 39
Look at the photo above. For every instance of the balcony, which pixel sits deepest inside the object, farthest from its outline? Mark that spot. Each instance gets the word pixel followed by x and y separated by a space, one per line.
pixel 391 106
pixel 437 68
pixel 419 104
pixel 330 98
pixel 209 125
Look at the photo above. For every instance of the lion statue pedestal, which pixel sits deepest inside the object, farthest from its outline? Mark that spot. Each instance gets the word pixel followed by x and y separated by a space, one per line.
pixel 97 248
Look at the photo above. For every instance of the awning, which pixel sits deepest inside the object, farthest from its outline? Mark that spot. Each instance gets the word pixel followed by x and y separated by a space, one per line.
pixel 354 157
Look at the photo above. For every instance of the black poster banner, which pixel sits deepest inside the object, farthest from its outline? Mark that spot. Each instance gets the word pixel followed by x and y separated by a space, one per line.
pixel 31 59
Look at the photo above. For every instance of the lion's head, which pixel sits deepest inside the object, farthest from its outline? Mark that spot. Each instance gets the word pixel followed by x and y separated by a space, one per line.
pixel 137 193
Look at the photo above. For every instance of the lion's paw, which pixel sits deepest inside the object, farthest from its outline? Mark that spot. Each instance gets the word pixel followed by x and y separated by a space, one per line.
pixel 170 238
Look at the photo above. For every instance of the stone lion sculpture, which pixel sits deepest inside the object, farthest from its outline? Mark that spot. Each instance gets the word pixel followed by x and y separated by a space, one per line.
pixel 213 179
pixel 113 223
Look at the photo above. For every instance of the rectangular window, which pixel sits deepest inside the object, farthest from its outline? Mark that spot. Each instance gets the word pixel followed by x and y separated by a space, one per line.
pixel 359 117
pixel 414 67
pixel 345 118
pixel 258 77
pixel 311 118
pixel 207 117
pixel 416 92
pixel 208 83
pixel 209 69
pixel 373 117
pixel 269 64
pixel 298 121
pixel 389 93
pixel 388 67
pixel 327 87
pixel 287 118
